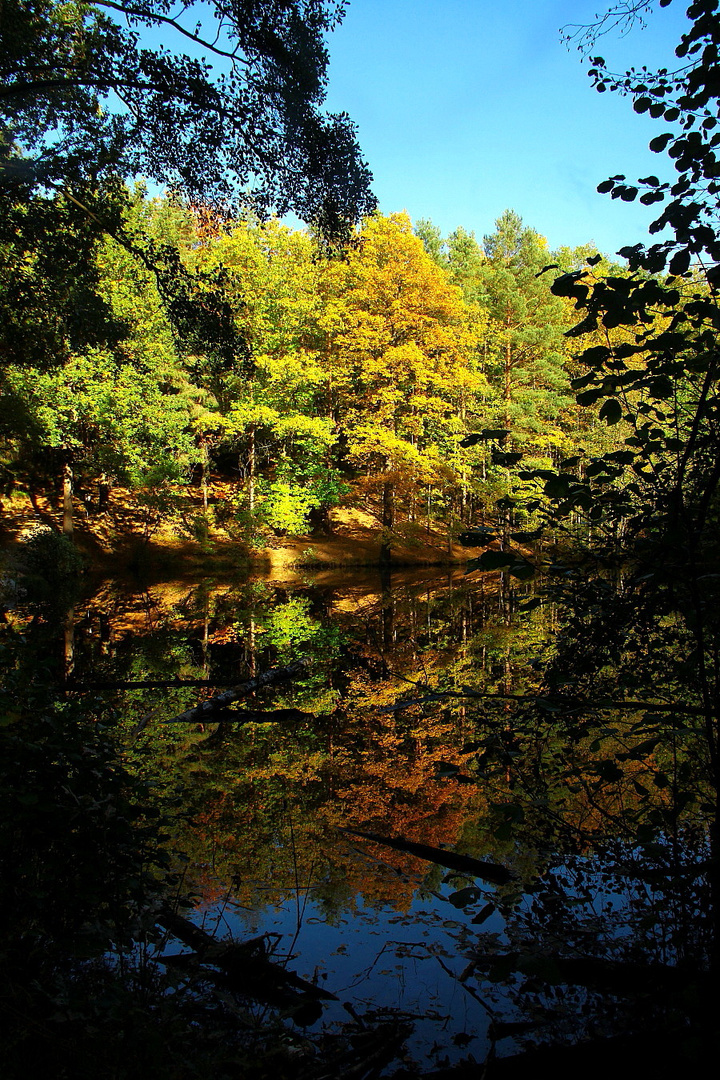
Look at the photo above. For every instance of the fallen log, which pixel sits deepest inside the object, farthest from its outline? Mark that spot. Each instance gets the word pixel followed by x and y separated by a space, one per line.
pixel 250 716
pixel 204 711
pixel 244 966
pixel 145 684
pixel 492 872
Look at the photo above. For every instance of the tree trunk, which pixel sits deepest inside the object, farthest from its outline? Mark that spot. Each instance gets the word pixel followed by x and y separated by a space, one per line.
pixel 388 617
pixel 388 521
pixel 205 481
pixel 251 472
pixel 67 485
pixel 320 523
pixel 69 644
pixel 507 372
pixel 103 495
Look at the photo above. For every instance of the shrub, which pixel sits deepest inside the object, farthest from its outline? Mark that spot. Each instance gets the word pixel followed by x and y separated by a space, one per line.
pixel 48 554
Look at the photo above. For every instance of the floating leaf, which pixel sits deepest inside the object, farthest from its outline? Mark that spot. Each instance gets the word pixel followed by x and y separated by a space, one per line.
pixel 484 914
pixel 463 897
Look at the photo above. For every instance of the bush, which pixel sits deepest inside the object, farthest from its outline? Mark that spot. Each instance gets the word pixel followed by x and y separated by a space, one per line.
pixel 48 554
pixel 286 507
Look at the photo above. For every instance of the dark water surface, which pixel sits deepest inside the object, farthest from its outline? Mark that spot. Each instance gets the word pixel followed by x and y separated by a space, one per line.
pixel 384 742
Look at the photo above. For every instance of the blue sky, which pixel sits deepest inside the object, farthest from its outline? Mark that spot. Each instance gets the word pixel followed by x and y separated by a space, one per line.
pixel 467 107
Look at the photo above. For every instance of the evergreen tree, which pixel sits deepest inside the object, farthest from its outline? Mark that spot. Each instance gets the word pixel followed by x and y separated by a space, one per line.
pixel 432 240
pixel 465 262
pixel 527 364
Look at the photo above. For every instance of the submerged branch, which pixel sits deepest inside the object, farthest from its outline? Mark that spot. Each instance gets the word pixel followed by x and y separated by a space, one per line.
pixel 551 704
pixel 206 710
pixel 251 716
pixel 492 872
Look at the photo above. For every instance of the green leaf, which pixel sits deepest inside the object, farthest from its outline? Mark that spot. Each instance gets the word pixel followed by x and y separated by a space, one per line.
pixel 486 435
pixel 557 487
pixel 589 397
pixel 611 411
pixel 609 770
pixel 658 144
pixel 526 537
pixel 505 460
pixel 477 537
pixel 523 571
pixel 531 604
pixel 661 387
pixel 680 262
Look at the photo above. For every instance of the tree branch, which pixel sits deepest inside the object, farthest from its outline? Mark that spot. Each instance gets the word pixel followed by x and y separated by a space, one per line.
pixel 153 17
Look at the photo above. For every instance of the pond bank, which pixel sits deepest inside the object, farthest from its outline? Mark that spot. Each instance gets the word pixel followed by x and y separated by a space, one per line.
pixel 127 537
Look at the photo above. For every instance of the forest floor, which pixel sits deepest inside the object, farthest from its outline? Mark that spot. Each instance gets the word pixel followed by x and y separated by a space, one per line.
pixel 172 534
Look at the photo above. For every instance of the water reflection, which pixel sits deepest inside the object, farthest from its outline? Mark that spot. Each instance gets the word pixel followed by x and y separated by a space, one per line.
pixel 257 809
pixel 416 725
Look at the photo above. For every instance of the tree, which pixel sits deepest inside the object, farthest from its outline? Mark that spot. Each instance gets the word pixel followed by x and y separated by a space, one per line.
pixel 85 97
pixel 528 364
pixel 86 103
pixel 640 605
pixel 432 240
pixel 465 260
pixel 115 411
pixel 272 414
pixel 399 365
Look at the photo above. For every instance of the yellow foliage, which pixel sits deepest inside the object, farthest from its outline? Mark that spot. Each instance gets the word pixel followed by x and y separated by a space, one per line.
pixel 400 353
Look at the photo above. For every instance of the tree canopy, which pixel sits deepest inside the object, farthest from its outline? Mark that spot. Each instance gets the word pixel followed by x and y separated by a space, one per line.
pixel 222 100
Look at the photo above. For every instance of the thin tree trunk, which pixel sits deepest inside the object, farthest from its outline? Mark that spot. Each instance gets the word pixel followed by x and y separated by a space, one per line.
pixel 69 644
pixel 67 484
pixel 103 494
pixel 388 616
pixel 252 646
pixel 251 472
pixel 388 521
pixel 205 482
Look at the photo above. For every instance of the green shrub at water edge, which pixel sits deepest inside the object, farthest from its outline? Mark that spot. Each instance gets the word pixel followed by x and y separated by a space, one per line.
pixel 50 555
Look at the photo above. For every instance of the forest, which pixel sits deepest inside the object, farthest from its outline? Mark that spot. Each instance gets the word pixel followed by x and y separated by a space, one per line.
pixel 410 377
pixel 489 736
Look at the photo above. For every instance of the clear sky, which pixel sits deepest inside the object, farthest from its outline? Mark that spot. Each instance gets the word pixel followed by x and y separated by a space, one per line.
pixel 466 108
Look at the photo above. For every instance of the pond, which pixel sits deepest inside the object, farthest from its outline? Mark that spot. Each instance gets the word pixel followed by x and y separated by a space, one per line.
pixel 412 681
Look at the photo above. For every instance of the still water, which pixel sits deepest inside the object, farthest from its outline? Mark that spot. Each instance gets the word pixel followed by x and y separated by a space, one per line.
pixel 386 738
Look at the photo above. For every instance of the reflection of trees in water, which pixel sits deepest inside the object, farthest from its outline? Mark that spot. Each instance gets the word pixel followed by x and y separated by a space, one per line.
pixel 357 763
pixel 541 790
pixel 617 941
